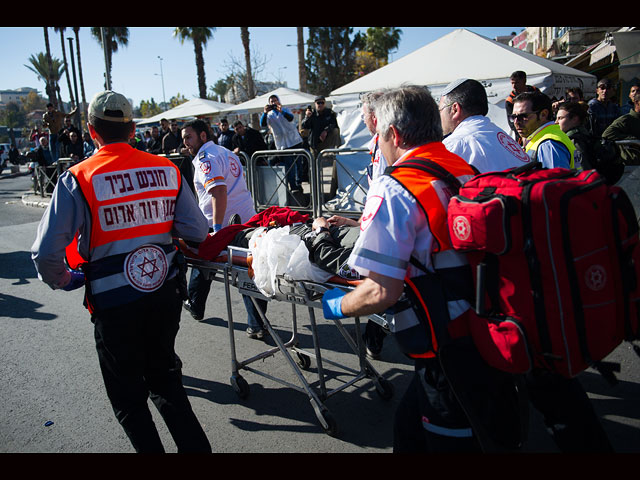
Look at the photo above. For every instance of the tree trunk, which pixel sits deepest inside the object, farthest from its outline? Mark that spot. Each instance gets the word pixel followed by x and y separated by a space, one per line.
pixel 76 30
pixel 51 93
pixel 302 72
pixel 202 83
pixel 251 91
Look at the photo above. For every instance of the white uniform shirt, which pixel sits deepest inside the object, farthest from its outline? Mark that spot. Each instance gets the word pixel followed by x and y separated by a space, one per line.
pixel 392 229
pixel 215 165
pixel 485 145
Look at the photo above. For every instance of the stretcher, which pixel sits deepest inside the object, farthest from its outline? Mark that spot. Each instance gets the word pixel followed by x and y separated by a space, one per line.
pixel 233 268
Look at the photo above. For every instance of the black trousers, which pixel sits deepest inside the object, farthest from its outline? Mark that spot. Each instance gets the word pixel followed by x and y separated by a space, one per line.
pixel 135 344
pixel 568 413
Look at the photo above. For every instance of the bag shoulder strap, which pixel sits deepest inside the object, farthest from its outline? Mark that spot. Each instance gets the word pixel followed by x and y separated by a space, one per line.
pixel 430 167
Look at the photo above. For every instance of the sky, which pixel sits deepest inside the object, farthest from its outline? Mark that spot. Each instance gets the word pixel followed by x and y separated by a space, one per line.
pixel 154 57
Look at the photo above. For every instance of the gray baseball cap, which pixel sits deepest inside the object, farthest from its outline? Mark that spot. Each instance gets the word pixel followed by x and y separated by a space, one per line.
pixel 111 106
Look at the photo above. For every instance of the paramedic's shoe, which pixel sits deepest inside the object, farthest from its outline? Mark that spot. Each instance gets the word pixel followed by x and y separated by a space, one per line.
pixel 257 333
pixel 189 307
pixel 234 219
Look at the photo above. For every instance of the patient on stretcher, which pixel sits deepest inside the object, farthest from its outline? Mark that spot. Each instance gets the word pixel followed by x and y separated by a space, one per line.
pixel 326 247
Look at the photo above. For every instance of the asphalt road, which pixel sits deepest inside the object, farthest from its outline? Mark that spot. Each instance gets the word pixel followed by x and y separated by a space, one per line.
pixel 52 399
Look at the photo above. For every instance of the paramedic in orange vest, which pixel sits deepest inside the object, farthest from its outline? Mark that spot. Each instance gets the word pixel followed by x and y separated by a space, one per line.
pixel 395 230
pixel 126 207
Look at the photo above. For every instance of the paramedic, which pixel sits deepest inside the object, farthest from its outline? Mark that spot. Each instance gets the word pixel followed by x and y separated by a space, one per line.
pixel 126 205
pixel 222 195
pixel 374 335
pixel 428 418
pixel 543 139
pixel 470 134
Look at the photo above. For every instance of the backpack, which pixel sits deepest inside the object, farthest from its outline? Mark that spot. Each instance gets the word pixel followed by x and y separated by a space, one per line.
pixel 555 260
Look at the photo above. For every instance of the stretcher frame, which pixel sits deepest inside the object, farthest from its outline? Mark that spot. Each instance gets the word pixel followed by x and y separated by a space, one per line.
pixel 232 266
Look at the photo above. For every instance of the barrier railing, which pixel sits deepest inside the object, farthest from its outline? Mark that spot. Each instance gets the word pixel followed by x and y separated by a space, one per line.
pixel 348 184
pixel 273 174
pixel 45 178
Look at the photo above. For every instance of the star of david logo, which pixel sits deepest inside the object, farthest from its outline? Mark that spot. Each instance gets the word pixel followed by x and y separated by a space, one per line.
pixel 596 277
pixel 461 228
pixel 143 267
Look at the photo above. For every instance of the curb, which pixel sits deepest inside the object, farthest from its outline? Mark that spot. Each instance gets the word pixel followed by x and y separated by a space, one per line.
pixel 29 200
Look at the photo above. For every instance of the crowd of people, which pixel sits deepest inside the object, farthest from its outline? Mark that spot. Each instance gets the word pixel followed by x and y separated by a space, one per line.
pixel 401 234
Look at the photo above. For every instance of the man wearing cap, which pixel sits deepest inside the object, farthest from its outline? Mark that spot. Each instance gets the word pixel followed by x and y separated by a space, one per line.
pixel 470 134
pixel 519 85
pixel 603 109
pixel 323 125
pixel 114 217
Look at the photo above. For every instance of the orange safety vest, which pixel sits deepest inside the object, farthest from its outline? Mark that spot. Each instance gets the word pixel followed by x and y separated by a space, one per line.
pixel 131 195
pixel 440 299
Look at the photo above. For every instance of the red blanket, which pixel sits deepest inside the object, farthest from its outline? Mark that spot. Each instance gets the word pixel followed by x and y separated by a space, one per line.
pixel 211 247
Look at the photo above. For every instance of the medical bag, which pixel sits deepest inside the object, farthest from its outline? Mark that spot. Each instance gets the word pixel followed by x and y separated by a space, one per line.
pixel 555 260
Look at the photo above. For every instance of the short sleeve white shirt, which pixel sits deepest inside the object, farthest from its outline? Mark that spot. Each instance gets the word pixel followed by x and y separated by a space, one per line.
pixel 485 145
pixel 392 229
pixel 214 166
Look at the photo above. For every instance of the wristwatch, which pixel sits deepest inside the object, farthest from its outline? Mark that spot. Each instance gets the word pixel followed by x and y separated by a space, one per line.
pixel 319 230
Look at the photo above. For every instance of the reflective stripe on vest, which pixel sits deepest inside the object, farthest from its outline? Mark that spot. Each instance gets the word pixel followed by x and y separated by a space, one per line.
pixel 433 194
pixel 552 132
pixel 131 196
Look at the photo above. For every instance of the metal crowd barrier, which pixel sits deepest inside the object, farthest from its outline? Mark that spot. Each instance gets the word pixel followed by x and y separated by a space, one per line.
pixel 45 178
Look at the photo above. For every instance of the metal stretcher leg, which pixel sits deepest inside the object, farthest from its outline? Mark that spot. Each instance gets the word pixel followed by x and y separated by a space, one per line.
pixel 294 293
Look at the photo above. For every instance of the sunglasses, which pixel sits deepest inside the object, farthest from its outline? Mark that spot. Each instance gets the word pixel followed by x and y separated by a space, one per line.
pixel 521 116
pixel 320 103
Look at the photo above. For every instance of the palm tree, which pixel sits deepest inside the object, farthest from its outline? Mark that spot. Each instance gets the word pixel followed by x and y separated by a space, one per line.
pixel 50 91
pixel 113 36
pixel 199 36
pixel 76 30
pixel 50 70
pixel 302 71
pixel 66 64
pixel 244 35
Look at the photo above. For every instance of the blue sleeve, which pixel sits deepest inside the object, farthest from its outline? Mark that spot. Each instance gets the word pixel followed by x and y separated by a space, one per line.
pixel 287 114
pixel 554 154
pixel 263 119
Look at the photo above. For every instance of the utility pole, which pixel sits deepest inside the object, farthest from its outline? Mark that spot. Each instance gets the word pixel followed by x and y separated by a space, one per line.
pixel 164 98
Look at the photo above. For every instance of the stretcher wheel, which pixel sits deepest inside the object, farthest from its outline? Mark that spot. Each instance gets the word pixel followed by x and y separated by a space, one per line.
pixel 384 388
pixel 304 361
pixel 240 386
pixel 332 428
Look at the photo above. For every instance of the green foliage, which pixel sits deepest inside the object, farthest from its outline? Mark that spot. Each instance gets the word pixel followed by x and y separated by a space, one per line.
pixel 381 40
pixel 331 58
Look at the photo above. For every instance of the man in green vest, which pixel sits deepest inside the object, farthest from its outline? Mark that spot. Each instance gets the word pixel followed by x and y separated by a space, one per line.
pixel 544 141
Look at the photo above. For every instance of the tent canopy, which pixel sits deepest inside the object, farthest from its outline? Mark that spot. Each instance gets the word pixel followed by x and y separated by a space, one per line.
pixel 459 54
pixel 288 98
pixel 192 108
pixel 464 54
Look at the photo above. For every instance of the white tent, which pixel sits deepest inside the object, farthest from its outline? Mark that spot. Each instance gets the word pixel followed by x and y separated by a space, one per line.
pixel 193 108
pixel 459 54
pixel 292 99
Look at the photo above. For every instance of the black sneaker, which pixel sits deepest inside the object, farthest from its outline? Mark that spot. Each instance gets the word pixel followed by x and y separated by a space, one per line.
pixel 189 308
pixel 234 219
pixel 257 333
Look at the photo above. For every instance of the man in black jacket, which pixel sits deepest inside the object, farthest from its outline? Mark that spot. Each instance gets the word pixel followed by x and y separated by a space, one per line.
pixel 247 140
pixel 323 126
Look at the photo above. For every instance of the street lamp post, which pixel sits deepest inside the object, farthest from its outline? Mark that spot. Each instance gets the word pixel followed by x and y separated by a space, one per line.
pixel 164 98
